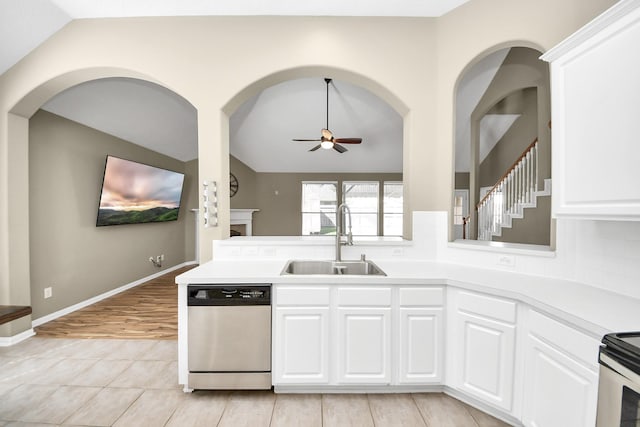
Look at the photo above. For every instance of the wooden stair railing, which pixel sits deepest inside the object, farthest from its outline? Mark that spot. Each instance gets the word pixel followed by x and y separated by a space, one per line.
pixel 515 188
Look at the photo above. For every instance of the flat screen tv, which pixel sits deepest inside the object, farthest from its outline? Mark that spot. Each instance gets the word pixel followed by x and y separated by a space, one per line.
pixel 135 193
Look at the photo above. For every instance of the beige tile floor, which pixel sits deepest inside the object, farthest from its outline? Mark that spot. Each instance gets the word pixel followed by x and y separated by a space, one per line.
pixel 108 382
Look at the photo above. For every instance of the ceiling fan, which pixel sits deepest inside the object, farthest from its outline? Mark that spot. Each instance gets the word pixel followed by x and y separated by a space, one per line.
pixel 327 140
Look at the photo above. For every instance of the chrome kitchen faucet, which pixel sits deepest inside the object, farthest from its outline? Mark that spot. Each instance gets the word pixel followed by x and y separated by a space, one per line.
pixel 340 230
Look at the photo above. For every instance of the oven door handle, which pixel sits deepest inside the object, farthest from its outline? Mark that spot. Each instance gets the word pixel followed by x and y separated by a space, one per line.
pixel 622 370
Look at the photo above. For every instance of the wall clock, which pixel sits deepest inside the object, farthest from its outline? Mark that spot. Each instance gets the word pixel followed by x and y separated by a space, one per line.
pixel 233 184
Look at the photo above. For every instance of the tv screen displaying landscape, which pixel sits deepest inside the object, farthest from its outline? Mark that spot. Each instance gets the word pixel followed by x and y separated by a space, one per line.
pixel 135 193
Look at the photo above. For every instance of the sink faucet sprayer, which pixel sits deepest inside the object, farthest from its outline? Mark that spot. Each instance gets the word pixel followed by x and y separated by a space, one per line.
pixel 340 230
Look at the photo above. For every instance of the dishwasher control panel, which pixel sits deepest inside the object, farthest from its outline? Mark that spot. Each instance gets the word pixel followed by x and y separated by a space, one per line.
pixel 216 295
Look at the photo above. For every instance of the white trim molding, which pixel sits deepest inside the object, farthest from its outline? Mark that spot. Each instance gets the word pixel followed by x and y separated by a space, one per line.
pixel 15 339
pixel 97 298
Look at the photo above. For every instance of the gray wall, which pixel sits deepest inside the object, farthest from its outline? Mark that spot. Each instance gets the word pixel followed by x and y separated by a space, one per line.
pixel 68 252
pixel 533 229
pixel 523 131
pixel 245 198
pixel 461 181
pixel 279 196
pixel 521 69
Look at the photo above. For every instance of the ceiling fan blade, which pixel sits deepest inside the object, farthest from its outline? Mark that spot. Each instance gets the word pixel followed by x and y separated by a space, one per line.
pixel 348 140
pixel 339 148
pixel 305 140
pixel 316 147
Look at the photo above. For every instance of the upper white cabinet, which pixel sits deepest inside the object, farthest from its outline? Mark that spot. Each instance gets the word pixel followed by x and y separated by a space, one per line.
pixel 595 111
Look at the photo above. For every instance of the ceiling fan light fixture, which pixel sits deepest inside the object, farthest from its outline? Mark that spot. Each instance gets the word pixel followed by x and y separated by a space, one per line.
pixel 327 145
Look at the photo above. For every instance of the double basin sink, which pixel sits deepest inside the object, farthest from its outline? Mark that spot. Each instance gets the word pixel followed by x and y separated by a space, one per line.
pixel 348 268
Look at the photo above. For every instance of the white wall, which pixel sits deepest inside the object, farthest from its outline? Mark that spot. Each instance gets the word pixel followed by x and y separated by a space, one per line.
pixel 604 254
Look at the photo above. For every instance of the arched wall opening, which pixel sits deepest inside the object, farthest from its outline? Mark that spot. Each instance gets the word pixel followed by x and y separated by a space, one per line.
pixel 65 250
pixel 502 76
pixel 256 87
pixel 272 169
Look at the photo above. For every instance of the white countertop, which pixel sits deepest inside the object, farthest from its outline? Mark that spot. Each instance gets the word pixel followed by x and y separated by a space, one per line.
pixel 595 311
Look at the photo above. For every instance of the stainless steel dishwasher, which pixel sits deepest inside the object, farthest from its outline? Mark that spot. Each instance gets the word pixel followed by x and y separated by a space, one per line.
pixel 229 336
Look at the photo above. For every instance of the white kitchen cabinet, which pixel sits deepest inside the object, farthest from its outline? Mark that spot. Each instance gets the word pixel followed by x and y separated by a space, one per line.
pixel 482 348
pixel 301 345
pixel 561 375
pixel 364 345
pixel 357 335
pixel 301 335
pixel 595 109
pixel 420 332
pixel 363 335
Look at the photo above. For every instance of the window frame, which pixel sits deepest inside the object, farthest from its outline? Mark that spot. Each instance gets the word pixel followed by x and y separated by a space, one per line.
pixel 377 204
pixel 335 183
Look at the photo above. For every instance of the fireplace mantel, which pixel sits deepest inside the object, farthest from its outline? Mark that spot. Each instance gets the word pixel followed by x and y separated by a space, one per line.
pixel 243 217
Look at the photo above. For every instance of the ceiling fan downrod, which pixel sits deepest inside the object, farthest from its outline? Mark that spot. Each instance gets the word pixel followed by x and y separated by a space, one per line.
pixel 327 81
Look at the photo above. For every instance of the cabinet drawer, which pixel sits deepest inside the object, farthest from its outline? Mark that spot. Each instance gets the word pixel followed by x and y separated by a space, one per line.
pixel 361 296
pixel 421 297
pixel 303 296
pixel 576 344
pixel 487 306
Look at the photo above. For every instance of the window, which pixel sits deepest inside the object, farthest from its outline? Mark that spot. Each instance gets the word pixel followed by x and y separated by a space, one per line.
pixel 392 208
pixel 376 207
pixel 362 199
pixel 319 203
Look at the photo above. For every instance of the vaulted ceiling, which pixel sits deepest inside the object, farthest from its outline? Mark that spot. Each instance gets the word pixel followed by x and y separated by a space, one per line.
pixel 261 130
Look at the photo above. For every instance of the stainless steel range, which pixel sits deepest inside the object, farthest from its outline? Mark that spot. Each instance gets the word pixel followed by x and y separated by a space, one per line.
pixel 229 336
pixel 619 385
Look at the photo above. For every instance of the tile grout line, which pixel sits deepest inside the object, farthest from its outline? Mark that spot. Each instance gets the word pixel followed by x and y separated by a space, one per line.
pixel 373 419
pixel 128 407
pixel 424 420
pixel 273 408
pixel 226 403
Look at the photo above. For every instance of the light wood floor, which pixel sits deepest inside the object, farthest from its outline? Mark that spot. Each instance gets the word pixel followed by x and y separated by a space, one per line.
pixel 148 311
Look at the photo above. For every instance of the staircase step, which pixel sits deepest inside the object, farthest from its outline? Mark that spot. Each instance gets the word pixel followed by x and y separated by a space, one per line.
pixel 507 219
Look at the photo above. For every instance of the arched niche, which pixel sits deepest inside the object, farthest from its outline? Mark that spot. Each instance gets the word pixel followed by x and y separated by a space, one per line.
pixel 485 94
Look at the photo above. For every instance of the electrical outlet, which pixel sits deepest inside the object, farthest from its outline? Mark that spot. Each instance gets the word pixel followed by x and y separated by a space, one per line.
pixel 150 259
pixel 159 259
pixel 397 252
pixel 507 260
pixel 269 252
pixel 48 292
pixel 251 251
pixel 162 257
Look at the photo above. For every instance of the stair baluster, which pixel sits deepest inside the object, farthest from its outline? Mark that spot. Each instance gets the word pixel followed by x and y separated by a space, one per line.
pixel 517 188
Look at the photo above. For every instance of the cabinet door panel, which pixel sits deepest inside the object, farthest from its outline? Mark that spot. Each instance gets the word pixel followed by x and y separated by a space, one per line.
pixel 301 346
pixel 420 354
pixel 558 390
pixel 488 357
pixel 594 89
pixel 364 345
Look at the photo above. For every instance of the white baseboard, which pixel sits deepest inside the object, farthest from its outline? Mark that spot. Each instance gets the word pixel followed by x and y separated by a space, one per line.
pixel 86 303
pixel 15 339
